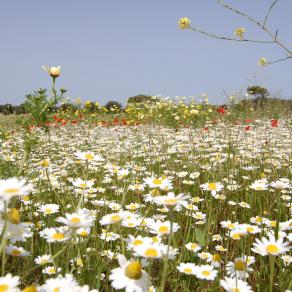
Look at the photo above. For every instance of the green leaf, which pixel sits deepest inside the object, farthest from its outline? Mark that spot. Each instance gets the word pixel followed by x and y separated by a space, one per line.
pixel 200 237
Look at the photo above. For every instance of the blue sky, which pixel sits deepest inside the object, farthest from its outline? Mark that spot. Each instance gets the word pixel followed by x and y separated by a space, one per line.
pixel 111 49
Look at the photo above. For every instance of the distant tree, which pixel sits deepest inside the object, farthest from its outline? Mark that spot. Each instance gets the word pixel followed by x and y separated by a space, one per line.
pixel 68 106
pixel 258 91
pixel 261 95
pixel 19 109
pixel 113 106
pixel 141 98
pixel 7 109
pixel 92 107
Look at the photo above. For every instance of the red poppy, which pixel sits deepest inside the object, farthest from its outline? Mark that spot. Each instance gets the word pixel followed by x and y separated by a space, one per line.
pixel 124 122
pixel 274 123
pixel 221 110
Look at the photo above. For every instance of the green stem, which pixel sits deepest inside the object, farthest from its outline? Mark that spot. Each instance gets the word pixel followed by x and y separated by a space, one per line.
pixel 272 266
pixel 165 261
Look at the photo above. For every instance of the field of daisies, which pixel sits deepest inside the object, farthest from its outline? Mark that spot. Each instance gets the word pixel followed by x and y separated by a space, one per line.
pixel 147 208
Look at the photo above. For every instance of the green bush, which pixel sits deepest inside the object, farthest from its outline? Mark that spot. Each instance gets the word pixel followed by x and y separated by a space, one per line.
pixel 113 106
pixel 141 98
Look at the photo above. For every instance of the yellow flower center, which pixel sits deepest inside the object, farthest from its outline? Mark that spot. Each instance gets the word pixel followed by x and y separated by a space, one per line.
pixel 163 229
pixel 51 270
pixel 272 249
pixel 16 252
pixel 188 270
pixel 31 288
pixel 194 246
pixel 56 290
pixel 151 253
pixel 11 190
pixel 58 236
pixel 250 229
pixel 75 220
pixel 216 257
pixel 236 236
pixel 235 289
pixel 89 156
pixel 83 233
pixel 25 198
pixel 48 211
pixel 170 201
pixel 116 218
pixel 134 270
pixel 4 288
pixel 44 163
pixel 206 273
pixel 137 242
pixel 240 266
pixel 157 181
pixel 212 186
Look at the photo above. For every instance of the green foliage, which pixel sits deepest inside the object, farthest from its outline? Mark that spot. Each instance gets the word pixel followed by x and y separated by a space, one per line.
pixel 68 107
pixel 258 91
pixel 141 98
pixel 92 107
pixel 113 106
pixel 40 106
pixel 6 109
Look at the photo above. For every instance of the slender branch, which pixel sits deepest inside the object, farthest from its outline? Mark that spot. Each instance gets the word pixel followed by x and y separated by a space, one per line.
pixel 239 12
pixel 269 11
pixel 228 38
pixel 263 27
pixel 279 60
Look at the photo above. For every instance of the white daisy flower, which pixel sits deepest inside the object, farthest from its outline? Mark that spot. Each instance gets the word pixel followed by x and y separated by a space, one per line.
pixel 270 246
pixel 9 283
pixel 233 284
pixel 129 276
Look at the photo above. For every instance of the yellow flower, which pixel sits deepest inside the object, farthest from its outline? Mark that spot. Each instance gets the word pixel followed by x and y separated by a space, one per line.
pixel 13 216
pixel 239 32
pixel 184 23
pixel 263 62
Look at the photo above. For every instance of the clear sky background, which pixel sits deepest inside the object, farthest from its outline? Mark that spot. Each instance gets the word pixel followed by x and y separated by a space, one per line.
pixel 113 49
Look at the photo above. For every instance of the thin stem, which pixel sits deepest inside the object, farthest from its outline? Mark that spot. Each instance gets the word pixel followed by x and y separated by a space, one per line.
pixel 272 266
pixel 279 60
pixel 228 38
pixel 269 11
pixel 166 257
pixel 262 26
